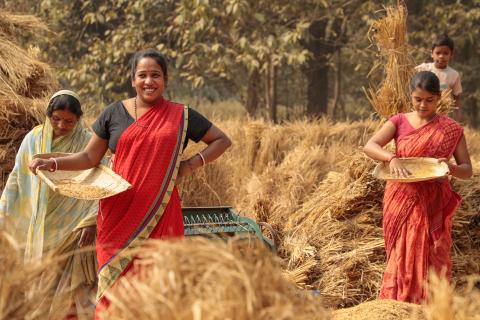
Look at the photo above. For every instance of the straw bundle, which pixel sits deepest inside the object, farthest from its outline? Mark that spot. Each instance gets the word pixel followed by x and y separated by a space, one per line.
pixel 389 34
pixel 13 25
pixel 342 222
pixel 26 288
pixel 25 84
pixel 446 104
pixel 205 279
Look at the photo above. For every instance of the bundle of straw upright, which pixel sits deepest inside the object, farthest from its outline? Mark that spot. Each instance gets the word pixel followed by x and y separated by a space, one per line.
pixel 389 34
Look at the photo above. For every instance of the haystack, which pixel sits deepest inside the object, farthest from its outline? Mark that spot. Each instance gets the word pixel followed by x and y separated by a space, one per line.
pixel 25 84
pixel 208 279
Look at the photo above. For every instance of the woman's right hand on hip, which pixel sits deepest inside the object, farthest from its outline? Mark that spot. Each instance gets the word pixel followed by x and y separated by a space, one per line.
pixel 41 164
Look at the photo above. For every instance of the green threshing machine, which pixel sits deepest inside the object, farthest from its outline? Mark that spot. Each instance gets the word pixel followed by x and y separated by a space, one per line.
pixel 224 222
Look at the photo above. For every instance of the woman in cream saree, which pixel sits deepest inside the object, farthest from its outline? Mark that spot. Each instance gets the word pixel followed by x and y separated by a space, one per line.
pixel 48 223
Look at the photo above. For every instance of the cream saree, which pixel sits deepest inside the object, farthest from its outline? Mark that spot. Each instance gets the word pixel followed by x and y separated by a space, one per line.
pixel 48 223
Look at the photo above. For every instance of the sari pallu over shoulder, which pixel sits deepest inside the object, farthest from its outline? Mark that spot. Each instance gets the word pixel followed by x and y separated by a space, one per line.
pixel 148 156
pixel 417 216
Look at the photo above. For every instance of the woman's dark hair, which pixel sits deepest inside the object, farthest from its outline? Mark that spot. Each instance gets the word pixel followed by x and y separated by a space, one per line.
pixel 443 40
pixel 64 102
pixel 149 53
pixel 426 80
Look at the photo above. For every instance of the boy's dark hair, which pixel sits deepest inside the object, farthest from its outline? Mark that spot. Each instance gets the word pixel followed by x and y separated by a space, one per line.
pixel 64 102
pixel 443 40
pixel 426 80
pixel 148 53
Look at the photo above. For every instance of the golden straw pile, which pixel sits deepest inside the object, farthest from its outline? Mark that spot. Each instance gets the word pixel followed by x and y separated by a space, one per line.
pixel 209 279
pixel 25 84
pixel 311 182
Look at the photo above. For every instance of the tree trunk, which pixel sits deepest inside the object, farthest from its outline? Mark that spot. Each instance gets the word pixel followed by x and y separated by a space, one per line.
pixel 317 88
pixel 338 84
pixel 316 69
pixel 271 90
pixel 252 93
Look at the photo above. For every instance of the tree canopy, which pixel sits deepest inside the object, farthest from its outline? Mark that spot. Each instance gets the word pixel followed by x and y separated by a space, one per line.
pixel 312 54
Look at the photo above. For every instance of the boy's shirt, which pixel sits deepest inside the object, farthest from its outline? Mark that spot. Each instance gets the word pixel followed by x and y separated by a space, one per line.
pixel 449 77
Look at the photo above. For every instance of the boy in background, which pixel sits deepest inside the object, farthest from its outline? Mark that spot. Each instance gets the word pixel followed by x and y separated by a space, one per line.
pixel 442 53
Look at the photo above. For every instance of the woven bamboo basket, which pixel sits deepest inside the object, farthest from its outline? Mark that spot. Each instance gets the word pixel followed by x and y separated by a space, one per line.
pixel 421 169
pixel 92 184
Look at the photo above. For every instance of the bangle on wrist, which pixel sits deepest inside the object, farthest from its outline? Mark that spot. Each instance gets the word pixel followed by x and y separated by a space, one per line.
pixel 55 167
pixel 202 157
pixel 393 156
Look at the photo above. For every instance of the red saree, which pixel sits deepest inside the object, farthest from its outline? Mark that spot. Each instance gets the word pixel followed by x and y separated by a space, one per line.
pixel 417 217
pixel 148 157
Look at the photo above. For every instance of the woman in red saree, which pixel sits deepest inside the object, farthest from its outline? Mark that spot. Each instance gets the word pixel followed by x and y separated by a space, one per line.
pixel 417 217
pixel 147 135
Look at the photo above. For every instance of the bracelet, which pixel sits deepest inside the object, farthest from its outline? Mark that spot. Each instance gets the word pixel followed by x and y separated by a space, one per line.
pixel 56 165
pixel 203 159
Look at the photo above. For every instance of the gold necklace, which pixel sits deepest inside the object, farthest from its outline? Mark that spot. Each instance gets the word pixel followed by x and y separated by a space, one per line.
pixel 136 118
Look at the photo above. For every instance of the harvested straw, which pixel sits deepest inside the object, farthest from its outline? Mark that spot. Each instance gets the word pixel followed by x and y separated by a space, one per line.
pixel 27 291
pixel 14 25
pixel 446 304
pixel 389 34
pixel 25 85
pixel 446 104
pixel 380 310
pixel 205 279
pixel 315 188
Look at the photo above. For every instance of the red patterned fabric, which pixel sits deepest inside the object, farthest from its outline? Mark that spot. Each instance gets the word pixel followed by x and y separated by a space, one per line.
pixel 417 217
pixel 144 158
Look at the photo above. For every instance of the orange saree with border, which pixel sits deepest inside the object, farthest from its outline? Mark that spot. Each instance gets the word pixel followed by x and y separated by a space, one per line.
pixel 417 217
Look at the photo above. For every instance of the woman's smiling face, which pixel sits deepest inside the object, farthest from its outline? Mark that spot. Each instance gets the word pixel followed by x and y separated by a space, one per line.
pixel 149 80
pixel 424 102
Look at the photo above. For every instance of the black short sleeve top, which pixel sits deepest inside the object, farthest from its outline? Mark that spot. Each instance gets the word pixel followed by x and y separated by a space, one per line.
pixel 113 121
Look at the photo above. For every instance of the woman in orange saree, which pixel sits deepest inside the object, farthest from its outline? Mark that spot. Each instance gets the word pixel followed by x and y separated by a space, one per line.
pixel 147 135
pixel 417 217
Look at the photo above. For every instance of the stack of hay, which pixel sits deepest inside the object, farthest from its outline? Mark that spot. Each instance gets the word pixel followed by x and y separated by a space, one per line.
pixel 206 279
pixel 25 84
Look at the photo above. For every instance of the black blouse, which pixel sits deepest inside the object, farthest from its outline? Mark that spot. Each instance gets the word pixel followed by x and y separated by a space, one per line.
pixel 113 121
